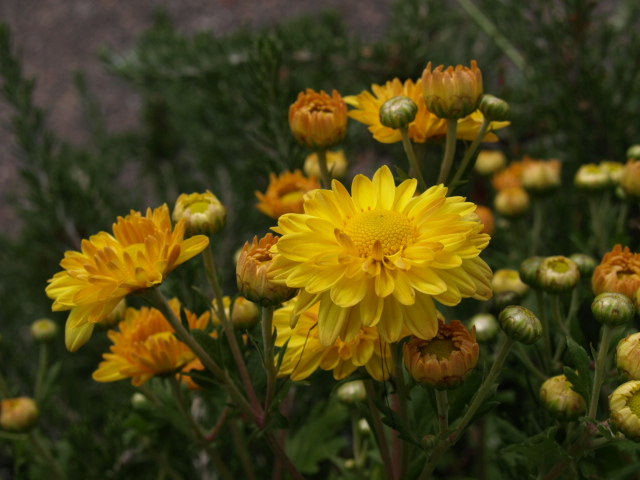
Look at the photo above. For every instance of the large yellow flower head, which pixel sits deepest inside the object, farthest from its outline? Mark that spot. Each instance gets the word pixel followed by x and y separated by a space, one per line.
pixel 380 256
pixel 305 353
pixel 425 126
pixel 146 346
pixel 139 255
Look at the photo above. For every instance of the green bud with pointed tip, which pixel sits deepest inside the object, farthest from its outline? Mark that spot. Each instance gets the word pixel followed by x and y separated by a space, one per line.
pixel 494 109
pixel 520 324
pixel 613 309
pixel 398 112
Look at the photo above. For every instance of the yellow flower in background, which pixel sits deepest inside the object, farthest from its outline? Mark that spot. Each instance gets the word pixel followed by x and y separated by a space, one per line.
pixel 305 353
pixel 426 125
pixel 380 256
pixel 140 254
pixel 146 346
pixel 285 193
pixel 203 212
pixel 336 163
pixel 318 120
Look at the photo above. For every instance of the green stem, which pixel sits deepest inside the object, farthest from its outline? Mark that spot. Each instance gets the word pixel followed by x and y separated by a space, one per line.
pixel 521 353
pixel 358 454
pixel 449 150
pixel 46 455
pixel 444 444
pixel 546 334
pixel 442 403
pixel 621 223
pixel 42 372
pixel 268 338
pixel 5 392
pixel 211 436
pixel 600 366
pixel 557 314
pixel 468 155
pixel 324 169
pixel 378 428
pixel 402 458
pixel 282 456
pixel 597 225
pixel 538 220
pixel 241 448
pixel 413 162
pixel 227 324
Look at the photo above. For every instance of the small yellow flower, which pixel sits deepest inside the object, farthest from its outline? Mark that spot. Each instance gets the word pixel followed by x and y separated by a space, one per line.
pixel 592 177
pixel 425 127
pixel 540 175
pixel 146 346
pixel 614 169
pixel 203 213
pixel 512 202
pixel 285 193
pixel 305 353
pixel 454 92
pixel 336 163
pixel 624 405
pixel 318 120
pixel 139 255
pixel 490 162
pixel 618 272
pixel 446 360
pixel 18 414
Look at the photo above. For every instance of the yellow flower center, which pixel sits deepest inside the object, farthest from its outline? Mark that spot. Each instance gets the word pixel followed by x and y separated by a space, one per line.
pixel 634 403
pixel 440 347
pixel 392 229
pixel 559 267
pixel 199 207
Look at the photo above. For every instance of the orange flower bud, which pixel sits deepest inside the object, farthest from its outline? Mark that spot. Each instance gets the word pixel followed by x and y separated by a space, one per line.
pixel 18 414
pixel 317 120
pixel 452 93
pixel 286 194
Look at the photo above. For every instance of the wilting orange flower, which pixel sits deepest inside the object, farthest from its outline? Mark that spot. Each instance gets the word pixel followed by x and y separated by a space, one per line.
pixel 139 255
pixel 305 354
pixel 285 193
pixel 454 92
pixel 318 120
pixel 446 360
pixel 426 125
pixel 618 272
pixel 510 177
pixel 146 346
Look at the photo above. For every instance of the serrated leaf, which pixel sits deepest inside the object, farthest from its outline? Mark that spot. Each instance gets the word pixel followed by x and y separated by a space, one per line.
pixel 540 450
pixel 584 378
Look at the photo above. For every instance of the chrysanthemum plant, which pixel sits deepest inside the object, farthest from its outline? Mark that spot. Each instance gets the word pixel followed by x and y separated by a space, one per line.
pixel 360 283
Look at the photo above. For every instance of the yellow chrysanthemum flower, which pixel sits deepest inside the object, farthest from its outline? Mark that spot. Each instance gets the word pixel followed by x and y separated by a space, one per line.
pixel 139 255
pixel 380 257
pixel 146 346
pixel 305 354
pixel 426 125
pixel 285 193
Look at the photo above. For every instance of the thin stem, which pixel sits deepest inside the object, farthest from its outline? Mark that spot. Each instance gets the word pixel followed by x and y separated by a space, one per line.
pixel 597 226
pixel 46 455
pixel 211 436
pixel 600 366
pixel 270 365
pixel 557 314
pixel 227 324
pixel 449 150
pixel 468 155
pixel 444 444
pixel 521 353
pixel 241 448
pixel 378 428
pixel 324 169
pixel 442 403
pixel 42 371
pixel 282 456
pixel 546 334
pixel 5 391
pixel 538 220
pixel 413 162
pixel 401 455
pixel 621 223
pixel 358 454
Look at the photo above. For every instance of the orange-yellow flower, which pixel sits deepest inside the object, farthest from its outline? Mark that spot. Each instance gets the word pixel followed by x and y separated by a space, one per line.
pixel 285 193
pixel 426 125
pixel 454 92
pixel 305 353
pixel 318 120
pixel 540 175
pixel 139 255
pixel 618 272
pixel 146 346
pixel 485 215
pixel 510 177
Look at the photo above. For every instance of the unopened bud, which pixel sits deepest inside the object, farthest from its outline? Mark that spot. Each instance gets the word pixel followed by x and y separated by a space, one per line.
pixel 494 109
pixel 613 309
pixel 398 112
pixel 592 177
pixel 512 202
pixel 586 264
pixel 245 314
pixel 352 392
pixel 529 271
pixel 139 401
pixel 203 212
pixel 486 325
pixel 520 324
pixel 503 299
pixel 561 400
pixel 558 274
pixel 18 414
pixel 506 279
pixel 44 330
pixel 628 356
pixel 633 151
pixel 490 162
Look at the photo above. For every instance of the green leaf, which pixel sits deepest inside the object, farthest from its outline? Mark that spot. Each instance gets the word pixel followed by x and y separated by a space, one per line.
pixel 583 380
pixel 540 450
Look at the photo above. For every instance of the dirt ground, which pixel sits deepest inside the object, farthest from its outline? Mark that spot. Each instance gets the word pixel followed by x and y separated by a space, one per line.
pixel 57 37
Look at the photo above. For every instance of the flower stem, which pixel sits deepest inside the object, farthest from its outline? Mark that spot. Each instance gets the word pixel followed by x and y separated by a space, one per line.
pixel 378 428
pixel 47 457
pixel 211 436
pixel 282 456
pixel 240 443
pixel 359 456
pixel 442 403
pixel 621 223
pixel 600 366
pixel 413 162
pixel 449 150
pixel 444 443
pixel 324 168
pixel 468 155
pixel 597 225
pixel 538 220
pixel 5 391
pixel 42 371
pixel 269 361
pixel 401 458
pixel 546 334
pixel 526 361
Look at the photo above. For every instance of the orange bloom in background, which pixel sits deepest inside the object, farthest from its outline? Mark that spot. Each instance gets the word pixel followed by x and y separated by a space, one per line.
pixel 305 353
pixel 618 272
pixel 142 251
pixel 510 177
pixel 486 218
pixel 540 175
pixel 426 125
pixel 454 92
pixel 285 193
pixel 317 120
pixel 146 346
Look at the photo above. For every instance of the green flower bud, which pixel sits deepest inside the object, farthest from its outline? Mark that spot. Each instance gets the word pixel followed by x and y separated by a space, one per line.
pixel 487 326
pixel 586 264
pixel 558 274
pixel 613 309
pixel 628 356
pixel 494 109
pixel 139 401
pixel 503 299
pixel 520 324
pixel 352 392
pixel 398 112
pixel 529 271
pixel 363 426
pixel 633 151
pixel 18 414
pixel 44 330
pixel 429 442
pixel 561 400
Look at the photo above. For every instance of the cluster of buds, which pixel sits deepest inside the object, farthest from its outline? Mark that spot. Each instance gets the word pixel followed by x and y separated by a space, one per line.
pixel 203 212
pixel 592 177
